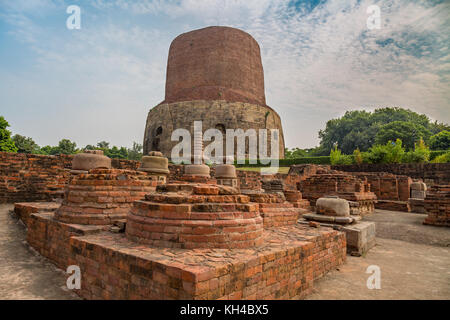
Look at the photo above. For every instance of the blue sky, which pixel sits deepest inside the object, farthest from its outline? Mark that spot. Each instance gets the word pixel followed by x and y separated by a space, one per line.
pixel 319 59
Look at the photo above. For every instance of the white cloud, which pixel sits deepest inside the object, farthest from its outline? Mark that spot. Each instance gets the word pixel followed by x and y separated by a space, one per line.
pixel 317 63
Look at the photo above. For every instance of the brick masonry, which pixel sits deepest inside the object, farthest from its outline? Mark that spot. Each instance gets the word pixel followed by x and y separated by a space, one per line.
pixel 437 205
pixel 188 215
pixel 230 97
pixel 285 266
pixel 232 54
pixel 31 177
pixel 430 173
pixel 341 184
pixel 103 195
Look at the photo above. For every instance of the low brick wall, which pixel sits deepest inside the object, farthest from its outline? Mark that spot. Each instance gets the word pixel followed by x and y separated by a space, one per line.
pixel 437 205
pixel 23 210
pixel 430 173
pixel 31 177
pixel 284 267
pixel 387 186
pixel 51 238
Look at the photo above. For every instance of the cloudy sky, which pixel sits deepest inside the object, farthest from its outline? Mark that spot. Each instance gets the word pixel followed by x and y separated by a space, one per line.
pixel 320 59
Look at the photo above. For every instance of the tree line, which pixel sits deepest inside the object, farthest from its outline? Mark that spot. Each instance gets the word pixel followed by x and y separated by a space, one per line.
pixel 364 131
pixel 22 144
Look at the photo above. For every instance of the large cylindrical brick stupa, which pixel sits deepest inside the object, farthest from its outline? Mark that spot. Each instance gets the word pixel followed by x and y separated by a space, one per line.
pixel 214 75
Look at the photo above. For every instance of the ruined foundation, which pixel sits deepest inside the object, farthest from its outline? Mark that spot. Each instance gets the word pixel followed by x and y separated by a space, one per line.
pixel 192 241
pixel 103 195
pixel 437 205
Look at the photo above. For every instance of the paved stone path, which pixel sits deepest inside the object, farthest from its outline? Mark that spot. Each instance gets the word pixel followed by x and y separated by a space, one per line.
pixel 409 270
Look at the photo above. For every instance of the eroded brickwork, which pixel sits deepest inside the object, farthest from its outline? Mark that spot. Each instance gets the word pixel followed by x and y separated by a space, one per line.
pixel 31 177
pixel 341 184
pixel 195 216
pixel 437 205
pixel 430 173
pixel 103 195
pixel 285 266
pixel 215 63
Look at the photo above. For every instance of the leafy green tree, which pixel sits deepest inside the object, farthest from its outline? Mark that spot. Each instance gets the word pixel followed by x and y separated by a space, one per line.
pixel 437 127
pixel 6 143
pixel 65 146
pixel 391 152
pixel 135 153
pixel 440 141
pixel 357 156
pixel 336 157
pixel 420 154
pixel 117 153
pixel 90 147
pixel 25 144
pixel 408 132
pixel 359 129
pixel 443 158
pixel 49 150
pixel 103 145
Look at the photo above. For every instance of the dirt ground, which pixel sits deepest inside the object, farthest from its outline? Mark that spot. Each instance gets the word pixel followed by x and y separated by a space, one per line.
pixel 414 261
pixel 23 273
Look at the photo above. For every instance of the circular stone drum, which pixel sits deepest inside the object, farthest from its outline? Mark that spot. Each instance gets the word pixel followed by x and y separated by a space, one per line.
pixel 225 171
pixel 155 163
pixel 188 216
pixel 333 207
pixel 90 159
pixel 199 170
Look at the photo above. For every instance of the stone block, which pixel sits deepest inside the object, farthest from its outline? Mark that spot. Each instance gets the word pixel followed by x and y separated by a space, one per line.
pixel 360 237
pixel 333 207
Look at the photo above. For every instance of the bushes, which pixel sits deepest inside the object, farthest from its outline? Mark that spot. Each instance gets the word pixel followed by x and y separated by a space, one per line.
pixel 420 154
pixel 336 157
pixel 391 152
pixel 437 153
pixel 443 158
pixel 440 141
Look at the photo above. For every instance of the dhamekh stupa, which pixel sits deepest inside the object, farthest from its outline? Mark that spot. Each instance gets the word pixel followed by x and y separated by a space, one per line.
pixel 215 75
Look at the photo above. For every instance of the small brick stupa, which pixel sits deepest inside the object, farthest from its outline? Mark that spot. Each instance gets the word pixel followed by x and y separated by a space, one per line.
pixel 189 215
pixel 103 195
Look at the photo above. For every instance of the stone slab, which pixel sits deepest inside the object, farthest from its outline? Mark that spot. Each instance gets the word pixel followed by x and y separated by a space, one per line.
pixel 360 237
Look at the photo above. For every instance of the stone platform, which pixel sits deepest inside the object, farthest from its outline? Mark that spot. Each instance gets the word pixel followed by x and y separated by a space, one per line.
pixel 51 238
pixel 285 266
pixel 23 210
pixel 360 236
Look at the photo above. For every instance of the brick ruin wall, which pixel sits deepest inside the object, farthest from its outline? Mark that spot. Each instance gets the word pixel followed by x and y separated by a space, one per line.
pixel 31 177
pixel 387 186
pixel 279 269
pixel 430 173
pixel 437 205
